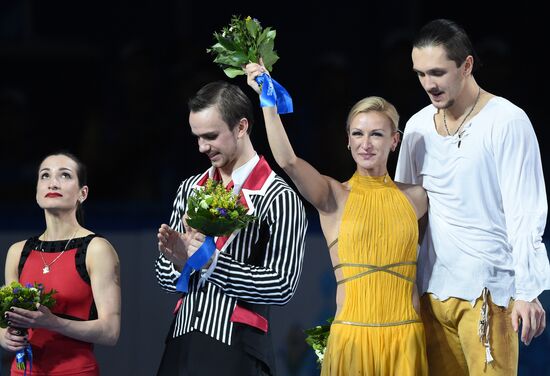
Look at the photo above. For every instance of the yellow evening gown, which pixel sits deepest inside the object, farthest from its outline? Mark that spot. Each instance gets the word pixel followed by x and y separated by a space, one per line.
pixel 377 331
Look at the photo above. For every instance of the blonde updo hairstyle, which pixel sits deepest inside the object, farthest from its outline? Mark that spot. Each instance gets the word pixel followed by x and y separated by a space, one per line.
pixel 374 103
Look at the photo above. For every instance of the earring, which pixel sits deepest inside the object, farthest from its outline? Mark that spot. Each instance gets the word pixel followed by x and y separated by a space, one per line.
pixel 349 147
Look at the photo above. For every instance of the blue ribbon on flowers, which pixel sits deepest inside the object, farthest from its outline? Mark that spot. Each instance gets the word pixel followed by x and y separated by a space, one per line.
pixel 21 359
pixel 196 262
pixel 273 94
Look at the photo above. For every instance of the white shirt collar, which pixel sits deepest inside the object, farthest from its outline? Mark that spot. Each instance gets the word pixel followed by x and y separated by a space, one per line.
pixel 240 175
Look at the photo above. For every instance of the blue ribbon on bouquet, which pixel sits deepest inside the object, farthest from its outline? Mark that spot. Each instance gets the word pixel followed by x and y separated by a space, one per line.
pixel 196 262
pixel 273 94
pixel 21 359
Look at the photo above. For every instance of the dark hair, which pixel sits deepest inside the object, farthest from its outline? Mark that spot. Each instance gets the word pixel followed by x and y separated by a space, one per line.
pixel 81 174
pixel 451 36
pixel 232 103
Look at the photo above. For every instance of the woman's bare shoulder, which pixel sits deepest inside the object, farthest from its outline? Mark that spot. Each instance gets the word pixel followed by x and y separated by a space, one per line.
pixel 101 247
pixel 413 189
pixel 17 248
pixel 417 197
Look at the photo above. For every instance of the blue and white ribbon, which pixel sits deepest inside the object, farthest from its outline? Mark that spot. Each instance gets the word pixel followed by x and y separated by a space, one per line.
pixel 196 262
pixel 208 272
pixel 22 356
pixel 273 94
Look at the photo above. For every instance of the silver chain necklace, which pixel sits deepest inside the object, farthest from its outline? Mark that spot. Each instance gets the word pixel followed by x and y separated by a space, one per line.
pixel 46 268
pixel 463 120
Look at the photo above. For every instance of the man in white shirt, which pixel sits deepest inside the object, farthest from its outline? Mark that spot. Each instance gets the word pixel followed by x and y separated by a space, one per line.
pixel 482 263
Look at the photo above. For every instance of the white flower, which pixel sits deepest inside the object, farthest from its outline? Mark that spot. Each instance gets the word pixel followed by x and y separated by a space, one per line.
pixel 203 204
pixel 320 354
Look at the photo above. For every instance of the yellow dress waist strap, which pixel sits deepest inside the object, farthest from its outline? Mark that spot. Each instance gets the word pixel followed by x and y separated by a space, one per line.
pixel 374 269
pixel 377 325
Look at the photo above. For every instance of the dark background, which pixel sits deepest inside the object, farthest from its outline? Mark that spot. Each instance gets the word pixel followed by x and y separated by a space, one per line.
pixel 109 81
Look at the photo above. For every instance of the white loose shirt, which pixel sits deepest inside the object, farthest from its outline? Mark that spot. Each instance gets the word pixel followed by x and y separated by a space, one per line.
pixel 487 204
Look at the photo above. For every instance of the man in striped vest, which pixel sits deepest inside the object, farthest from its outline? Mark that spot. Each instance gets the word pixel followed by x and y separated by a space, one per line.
pixel 221 325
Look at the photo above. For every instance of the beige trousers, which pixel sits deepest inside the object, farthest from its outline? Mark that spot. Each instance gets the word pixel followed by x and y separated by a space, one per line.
pixel 453 344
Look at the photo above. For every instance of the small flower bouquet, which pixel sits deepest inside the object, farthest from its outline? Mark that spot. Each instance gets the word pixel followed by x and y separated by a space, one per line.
pixel 243 41
pixel 215 211
pixel 26 297
pixel 317 338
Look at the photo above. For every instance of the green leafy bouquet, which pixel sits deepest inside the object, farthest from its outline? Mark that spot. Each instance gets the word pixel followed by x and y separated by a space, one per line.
pixel 317 338
pixel 215 211
pixel 243 41
pixel 26 297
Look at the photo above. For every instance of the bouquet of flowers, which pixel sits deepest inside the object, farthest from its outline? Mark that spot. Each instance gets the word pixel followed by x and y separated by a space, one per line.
pixel 317 338
pixel 215 211
pixel 243 41
pixel 26 297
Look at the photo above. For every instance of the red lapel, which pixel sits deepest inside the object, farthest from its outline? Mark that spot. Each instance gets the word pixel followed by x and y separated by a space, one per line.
pixel 256 180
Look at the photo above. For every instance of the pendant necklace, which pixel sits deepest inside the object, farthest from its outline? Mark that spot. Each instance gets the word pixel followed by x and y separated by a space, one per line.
pixel 46 268
pixel 463 120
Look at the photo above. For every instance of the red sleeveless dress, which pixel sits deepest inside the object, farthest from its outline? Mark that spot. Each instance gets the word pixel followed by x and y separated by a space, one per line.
pixel 52 352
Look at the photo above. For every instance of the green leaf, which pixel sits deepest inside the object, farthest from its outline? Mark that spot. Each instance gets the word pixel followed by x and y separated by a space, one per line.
pixel 239 58
pixel 217 48
pixel 236 60
pixel 269 58
pixel 253 55
pixel 262 36
pixel 226 61
pixel 271 34
pixel 252 27
pixel 226 43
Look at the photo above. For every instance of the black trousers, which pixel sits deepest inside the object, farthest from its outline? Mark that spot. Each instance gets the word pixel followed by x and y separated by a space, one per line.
pixel 196 354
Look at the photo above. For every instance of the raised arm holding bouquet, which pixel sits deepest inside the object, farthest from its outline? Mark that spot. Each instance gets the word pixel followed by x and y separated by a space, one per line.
pixel 81 267
pixel 370 225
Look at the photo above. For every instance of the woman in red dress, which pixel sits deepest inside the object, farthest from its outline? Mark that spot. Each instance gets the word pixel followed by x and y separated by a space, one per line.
pixel 80 265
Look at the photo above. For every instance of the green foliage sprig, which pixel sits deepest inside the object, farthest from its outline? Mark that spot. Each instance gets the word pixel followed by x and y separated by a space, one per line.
pixel 317 338
pixel 215 211
pixel 243 41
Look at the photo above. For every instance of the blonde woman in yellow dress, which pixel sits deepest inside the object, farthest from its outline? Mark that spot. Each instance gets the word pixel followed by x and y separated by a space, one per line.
pixel 370 224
